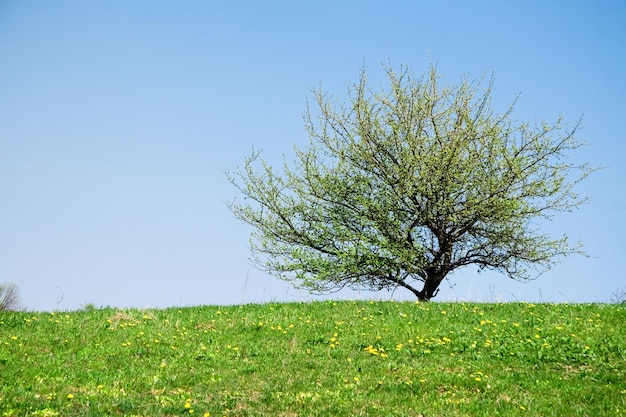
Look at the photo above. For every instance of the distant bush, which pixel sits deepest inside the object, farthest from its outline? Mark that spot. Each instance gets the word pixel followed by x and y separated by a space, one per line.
pixel 619 296
pixel 9 298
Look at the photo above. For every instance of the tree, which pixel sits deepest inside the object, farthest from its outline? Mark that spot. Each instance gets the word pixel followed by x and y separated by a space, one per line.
pixel 404 185
pixel 9 298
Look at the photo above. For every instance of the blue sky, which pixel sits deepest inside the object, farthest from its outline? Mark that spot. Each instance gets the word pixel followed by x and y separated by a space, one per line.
pixel 118 119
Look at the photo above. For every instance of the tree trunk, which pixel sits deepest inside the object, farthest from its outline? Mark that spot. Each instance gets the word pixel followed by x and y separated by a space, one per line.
pixel 431 285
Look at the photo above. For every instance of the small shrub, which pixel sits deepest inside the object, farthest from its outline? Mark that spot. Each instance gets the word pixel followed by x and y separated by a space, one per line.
pixel 619 296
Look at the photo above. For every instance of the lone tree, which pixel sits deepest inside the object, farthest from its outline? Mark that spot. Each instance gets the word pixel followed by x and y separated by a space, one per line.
pixel 402 186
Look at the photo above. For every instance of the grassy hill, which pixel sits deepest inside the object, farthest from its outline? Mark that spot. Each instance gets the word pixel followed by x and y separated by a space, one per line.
pixel 317 359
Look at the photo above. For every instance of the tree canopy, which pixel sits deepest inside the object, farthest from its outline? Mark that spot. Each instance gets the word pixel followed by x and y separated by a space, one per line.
pixel 400 186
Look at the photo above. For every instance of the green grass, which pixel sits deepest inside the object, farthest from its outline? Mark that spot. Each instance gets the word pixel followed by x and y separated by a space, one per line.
pixel 317 359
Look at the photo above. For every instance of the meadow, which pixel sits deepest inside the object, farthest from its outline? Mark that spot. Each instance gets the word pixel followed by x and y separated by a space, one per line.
pixel 325 358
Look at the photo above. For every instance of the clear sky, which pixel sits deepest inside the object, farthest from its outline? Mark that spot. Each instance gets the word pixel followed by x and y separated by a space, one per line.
pixel 119 118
